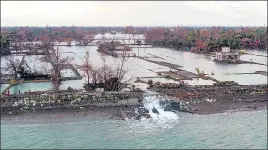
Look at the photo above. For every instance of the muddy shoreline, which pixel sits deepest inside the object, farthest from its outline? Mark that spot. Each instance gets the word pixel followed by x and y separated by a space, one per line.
pixel 106 113
pixel 113 113
pixel 217 98
pixel 65 114
pixel 199 100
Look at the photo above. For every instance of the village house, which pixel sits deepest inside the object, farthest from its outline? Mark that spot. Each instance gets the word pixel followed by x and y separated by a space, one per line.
pixel 226 55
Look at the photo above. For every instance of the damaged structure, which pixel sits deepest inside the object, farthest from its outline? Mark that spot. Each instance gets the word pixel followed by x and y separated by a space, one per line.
pixel 227 55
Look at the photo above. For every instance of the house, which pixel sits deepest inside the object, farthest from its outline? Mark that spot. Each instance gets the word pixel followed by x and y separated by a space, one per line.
pixel 227 55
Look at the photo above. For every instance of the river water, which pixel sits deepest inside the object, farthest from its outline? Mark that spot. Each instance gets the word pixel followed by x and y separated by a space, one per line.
pixel 243 130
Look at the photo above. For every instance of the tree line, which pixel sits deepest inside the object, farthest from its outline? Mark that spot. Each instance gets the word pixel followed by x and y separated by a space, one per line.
pixel 208 39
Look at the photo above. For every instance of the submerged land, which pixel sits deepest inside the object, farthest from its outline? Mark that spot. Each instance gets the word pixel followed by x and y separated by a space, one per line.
pixel 107 91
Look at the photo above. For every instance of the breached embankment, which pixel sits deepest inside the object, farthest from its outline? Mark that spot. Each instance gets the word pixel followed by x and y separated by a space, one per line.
pixel 164 102
pixel 152 107
pixel 131 107
pixel 217 98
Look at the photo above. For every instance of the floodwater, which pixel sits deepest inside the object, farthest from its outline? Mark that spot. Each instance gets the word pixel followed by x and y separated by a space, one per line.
pixel 245 130
pixel 189 61
pixel 141 68
pixel 259 59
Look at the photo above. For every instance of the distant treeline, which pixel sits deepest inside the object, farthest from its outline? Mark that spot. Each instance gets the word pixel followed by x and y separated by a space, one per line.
pixel 61 33
pixel 197 38
pixel 209 38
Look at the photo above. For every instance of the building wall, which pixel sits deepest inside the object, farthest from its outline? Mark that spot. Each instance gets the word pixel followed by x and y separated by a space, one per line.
pixel 225 56
pixel 226 49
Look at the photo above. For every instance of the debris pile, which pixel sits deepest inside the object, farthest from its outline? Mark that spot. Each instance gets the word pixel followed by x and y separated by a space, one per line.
pixel 170 85
pixel 226 83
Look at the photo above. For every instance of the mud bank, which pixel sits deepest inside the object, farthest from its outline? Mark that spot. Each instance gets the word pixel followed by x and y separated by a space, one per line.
pixel 71 114
pixel 179 74
pixel 256 72
pixel 238 62
pixel 217 98
pixel 163 63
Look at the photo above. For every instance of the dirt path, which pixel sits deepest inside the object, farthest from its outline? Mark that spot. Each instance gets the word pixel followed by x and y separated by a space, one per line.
pixel 163 63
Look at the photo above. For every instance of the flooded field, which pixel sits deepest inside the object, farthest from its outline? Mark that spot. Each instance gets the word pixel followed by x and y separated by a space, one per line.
pixel 142 68
pixel 254 58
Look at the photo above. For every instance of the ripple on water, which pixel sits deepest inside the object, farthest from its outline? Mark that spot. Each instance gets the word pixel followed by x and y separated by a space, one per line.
pixel 226 130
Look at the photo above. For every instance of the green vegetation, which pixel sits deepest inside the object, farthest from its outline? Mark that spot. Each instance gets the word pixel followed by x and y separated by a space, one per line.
pixel 208 39
pixel 4 43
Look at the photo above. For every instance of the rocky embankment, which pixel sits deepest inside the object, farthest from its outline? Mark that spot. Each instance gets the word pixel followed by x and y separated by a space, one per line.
pixel 205 99
pixel 46 100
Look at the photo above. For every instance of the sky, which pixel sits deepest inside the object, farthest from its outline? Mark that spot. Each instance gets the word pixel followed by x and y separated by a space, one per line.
pixel 135 13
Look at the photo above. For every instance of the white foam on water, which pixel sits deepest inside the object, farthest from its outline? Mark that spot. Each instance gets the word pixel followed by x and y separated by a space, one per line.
pixel 151 102
pixel 157 123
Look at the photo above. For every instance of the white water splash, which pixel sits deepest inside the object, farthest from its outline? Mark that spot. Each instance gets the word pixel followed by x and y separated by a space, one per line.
pixel 157 123
pixel 151 102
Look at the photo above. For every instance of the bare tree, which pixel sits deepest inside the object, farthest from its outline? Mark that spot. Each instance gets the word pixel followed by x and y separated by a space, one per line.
pixel 46 46
pixel 58 63
pixel 105 76
pixel 113 77
pixel 87 39
pixel 94 75
pixel 12 65
pixel 15 65
pixel 44 69
pixel 123 71
pixel 87 68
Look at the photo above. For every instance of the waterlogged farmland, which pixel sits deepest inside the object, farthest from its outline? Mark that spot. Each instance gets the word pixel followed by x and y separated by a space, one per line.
pixel 141 68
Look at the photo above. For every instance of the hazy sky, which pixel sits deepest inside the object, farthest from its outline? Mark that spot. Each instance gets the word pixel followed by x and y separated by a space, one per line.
pixel 136 13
